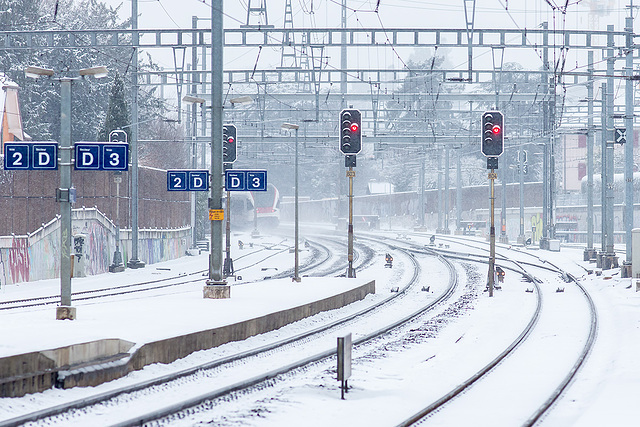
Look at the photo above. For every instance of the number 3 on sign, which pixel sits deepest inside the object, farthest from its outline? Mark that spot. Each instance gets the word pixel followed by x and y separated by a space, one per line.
pixel 257 180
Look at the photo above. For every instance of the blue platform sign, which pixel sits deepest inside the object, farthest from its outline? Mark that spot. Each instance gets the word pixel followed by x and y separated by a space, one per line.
pixel 257 180
pixel 17 156
pixel 45 156
pixel 102 156
pixel 177 180
pixel 31 156
pixel 235 180
pixel 198 180
pixel 246 180
pixel 115 157
pixel 187 180
pixel 87 156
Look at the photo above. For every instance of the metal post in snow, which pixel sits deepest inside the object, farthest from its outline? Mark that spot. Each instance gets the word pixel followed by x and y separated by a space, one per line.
pixel 628 149
pixel 296 273
pixel 134 261
pixel 65 311
pixel 350 270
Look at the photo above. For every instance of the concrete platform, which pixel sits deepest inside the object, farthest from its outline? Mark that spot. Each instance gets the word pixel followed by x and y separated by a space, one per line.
pixel 107 340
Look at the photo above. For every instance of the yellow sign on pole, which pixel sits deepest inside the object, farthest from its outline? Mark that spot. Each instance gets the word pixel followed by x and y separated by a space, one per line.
pixel 351 173
pixel 216 214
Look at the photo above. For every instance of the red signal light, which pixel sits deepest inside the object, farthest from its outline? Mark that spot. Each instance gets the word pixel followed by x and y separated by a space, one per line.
pixel 230 140
pixel 354 127
pixel 496 129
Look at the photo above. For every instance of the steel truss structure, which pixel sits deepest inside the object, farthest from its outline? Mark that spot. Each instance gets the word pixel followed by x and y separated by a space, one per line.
pixel 366 85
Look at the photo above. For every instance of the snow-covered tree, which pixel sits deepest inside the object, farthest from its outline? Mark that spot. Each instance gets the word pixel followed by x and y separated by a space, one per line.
pixel 117 116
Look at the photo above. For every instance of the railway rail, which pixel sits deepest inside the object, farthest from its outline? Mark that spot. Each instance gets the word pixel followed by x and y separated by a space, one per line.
pixel 223 366
pixel 321 256
pixel 517 266
pixel 72 409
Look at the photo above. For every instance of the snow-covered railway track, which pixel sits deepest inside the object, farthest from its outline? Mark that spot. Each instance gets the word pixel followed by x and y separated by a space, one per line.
pixel 253 258
pixel 536 367
pixel 162 391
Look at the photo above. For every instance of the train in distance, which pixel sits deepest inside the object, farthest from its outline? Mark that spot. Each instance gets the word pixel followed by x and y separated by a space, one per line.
pixel 243 208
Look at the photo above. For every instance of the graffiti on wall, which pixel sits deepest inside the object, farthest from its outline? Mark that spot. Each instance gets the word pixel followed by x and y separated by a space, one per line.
pixel 96 248
pixel 15 261
pixel 19 260
pixel 38 257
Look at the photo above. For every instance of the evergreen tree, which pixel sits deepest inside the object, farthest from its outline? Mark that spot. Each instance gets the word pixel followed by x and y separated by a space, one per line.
pixel 117 116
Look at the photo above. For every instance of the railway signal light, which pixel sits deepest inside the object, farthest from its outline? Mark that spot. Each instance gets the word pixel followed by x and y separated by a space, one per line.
pixel 229 144
pixel 350 131
pixel 492 133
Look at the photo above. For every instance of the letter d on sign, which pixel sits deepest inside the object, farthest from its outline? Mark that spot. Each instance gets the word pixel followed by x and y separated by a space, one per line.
pixel 87 158
pixel 197 182
pixel 235 182
pixel 43 158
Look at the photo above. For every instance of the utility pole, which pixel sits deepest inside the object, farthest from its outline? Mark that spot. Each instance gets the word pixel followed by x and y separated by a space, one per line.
pixel 343 55
pixel 421 211
pixel 544 240
pixel 603 176
pixel 497 54
pixel 628 149
pixel 590 252
pixel 459 190
pixel 469 15
pixel 134 261
pixel 446 190
pixel 440 228
pixel 65 310
pixel 522 162
pixel 609 260
pixel 215 286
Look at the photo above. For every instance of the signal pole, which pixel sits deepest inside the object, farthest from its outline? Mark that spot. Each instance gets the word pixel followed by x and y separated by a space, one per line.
pixel 350 145
pixel 229 156
pixel 350 271
pixel 492 162
pixel 492 148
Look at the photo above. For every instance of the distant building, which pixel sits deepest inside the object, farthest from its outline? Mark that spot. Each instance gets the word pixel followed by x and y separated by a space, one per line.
pixel 11 118
pixel 374 187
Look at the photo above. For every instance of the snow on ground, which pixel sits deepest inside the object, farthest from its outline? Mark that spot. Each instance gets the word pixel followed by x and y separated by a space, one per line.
pixel 150 316
pixel 386 386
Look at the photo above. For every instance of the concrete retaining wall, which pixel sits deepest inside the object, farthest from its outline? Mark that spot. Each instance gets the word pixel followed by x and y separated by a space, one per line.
pixel 90 364
pixel 37 256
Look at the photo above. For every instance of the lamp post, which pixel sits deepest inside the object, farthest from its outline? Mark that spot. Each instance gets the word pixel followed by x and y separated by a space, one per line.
pixel 117 266
pixel 296 275
pixel 497 54
pixel 194 101
pixel 65 195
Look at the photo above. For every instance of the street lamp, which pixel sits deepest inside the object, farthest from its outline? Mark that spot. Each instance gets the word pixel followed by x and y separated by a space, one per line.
pixel 241 100
pixel 194 101
pixel 97 72
pixel 35 72
pixel 290 126
pixel 65 194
